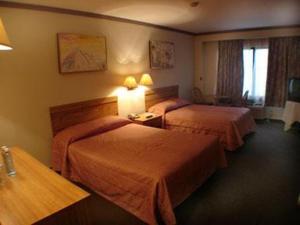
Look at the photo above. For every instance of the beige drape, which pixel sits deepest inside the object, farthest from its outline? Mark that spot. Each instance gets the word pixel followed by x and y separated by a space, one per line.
pixel 230 68
pixel 255 43
pixel 283 63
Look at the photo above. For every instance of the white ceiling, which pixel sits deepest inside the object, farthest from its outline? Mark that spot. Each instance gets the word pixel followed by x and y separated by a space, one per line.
pixel 208 16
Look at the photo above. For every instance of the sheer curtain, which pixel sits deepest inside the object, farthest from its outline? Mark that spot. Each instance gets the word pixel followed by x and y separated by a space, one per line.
pixel 255 59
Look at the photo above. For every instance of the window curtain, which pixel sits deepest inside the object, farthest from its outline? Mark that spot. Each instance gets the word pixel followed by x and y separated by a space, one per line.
pixel 283 63
pixel 230 69
pixel 294 57
pixel 256 43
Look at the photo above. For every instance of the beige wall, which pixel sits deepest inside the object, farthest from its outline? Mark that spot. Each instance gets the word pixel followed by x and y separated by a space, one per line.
pixel 210 67
pixel 30 82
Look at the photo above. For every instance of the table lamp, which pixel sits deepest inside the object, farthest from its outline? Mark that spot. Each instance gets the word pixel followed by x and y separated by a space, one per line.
pixel 146 80
pixel 4 41
pixel 130 83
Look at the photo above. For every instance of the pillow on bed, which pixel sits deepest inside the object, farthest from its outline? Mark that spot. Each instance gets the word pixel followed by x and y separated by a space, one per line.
pixel 92 127
pixel 168 105
pixel 71 134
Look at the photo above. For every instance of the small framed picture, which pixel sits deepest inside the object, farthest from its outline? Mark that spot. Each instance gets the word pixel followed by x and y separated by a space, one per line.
pixel 162 54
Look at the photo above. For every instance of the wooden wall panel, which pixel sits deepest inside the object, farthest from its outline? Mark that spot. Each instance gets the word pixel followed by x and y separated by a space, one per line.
pixel 63 116
pixel 67 115
pixel 157 95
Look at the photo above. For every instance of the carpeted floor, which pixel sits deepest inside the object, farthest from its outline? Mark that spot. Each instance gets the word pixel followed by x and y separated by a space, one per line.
pixel 259 187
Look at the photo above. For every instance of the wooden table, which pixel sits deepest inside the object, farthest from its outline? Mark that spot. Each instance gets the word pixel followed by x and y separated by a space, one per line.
pixel 38 195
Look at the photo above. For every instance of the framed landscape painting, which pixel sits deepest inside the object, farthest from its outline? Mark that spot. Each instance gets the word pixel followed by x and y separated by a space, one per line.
pixel 162 54
pixel 81 53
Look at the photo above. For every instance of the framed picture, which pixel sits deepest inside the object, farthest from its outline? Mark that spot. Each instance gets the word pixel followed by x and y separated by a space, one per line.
pixel 162 54
pixel 81 53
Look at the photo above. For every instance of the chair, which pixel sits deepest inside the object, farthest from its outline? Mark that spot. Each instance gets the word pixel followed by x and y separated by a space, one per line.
pixel 223 101
pixel 233 102
pixel 242 102
pixel 199 98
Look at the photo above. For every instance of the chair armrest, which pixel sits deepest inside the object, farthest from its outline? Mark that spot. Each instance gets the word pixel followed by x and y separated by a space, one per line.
pixel 223 100
pixel 209 99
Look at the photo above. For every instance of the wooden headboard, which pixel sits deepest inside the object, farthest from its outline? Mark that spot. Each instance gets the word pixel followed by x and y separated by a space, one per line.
pixel 157 95
pixel 63 116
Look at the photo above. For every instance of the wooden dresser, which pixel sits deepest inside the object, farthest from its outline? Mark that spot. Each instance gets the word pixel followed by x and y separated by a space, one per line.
pixel 37 195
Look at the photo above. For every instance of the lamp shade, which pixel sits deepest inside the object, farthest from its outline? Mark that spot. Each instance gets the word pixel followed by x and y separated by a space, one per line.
pixel 130 82
pixel 4 41
pixel 146 80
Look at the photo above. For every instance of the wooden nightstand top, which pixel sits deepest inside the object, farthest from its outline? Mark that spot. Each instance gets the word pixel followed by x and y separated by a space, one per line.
pixel 143 117
pixel 36 192
pixel 154 121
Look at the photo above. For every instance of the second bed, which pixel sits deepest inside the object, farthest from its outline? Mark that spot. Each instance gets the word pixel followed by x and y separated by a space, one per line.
pixel 230 124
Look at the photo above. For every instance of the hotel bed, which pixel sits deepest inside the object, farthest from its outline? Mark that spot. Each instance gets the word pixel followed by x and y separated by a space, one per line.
pixel 230 124
pixel 147 171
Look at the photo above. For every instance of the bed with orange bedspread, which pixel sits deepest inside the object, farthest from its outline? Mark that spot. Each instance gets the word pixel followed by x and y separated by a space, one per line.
pixel 230 124
pixel 147 171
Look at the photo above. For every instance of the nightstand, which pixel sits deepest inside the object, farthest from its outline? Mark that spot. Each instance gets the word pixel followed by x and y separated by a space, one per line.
pixel 154 121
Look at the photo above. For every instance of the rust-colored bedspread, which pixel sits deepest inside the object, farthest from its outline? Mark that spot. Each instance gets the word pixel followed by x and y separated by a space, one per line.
pixel 146 171
pixel 230 124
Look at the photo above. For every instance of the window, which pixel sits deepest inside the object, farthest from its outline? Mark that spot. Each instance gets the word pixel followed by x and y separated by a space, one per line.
pixel 255 73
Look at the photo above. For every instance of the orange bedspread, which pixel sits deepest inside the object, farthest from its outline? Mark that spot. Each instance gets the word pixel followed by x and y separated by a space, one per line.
pixel 146 171
pixel 230 124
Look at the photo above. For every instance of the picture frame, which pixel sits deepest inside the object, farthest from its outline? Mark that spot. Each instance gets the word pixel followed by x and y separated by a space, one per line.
pixel 162 54
pixel 81 53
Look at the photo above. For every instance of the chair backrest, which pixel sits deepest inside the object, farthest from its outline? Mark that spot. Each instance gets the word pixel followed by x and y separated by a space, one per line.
pixel 244 100
pixel 197 95
pixel 245 96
